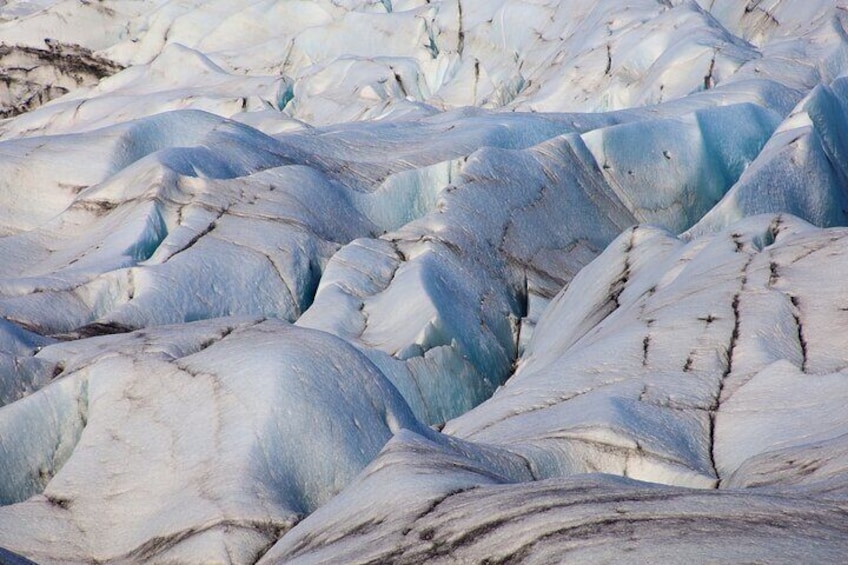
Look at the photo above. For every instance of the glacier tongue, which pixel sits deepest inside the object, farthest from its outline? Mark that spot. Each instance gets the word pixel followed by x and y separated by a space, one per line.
pixel 423 280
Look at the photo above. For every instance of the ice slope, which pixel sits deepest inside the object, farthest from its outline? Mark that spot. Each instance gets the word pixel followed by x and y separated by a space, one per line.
pixel 317 227
pixel 801 170
pixel 660 363
pixel 20 373
pixel 658 348
pixel 215 430
pixel 188 205
pixel 129 231
pixel 419 502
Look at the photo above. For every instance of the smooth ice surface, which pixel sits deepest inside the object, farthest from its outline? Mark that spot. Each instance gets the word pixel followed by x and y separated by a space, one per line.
pixel 423 280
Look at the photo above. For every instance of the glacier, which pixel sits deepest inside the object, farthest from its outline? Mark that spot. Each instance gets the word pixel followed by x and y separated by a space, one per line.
pixel 361 281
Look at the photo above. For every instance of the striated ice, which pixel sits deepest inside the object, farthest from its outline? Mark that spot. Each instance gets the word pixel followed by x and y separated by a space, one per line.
pixel 217 464
pixel 447 505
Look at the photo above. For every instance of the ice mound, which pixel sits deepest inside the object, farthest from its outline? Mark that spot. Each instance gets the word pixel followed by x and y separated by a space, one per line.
pixel 446 508
pixel 224 474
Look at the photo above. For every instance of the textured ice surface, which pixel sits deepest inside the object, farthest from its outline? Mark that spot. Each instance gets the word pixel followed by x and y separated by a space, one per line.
pixel 420 502
pixel 214 427
pixel 699 365
pixel 630 371
pixel 423 280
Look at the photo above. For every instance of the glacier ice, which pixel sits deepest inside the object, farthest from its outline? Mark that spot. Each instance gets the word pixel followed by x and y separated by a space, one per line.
pixel 446 507
pixel 139 402
pixel 618 380
pixel 423 280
